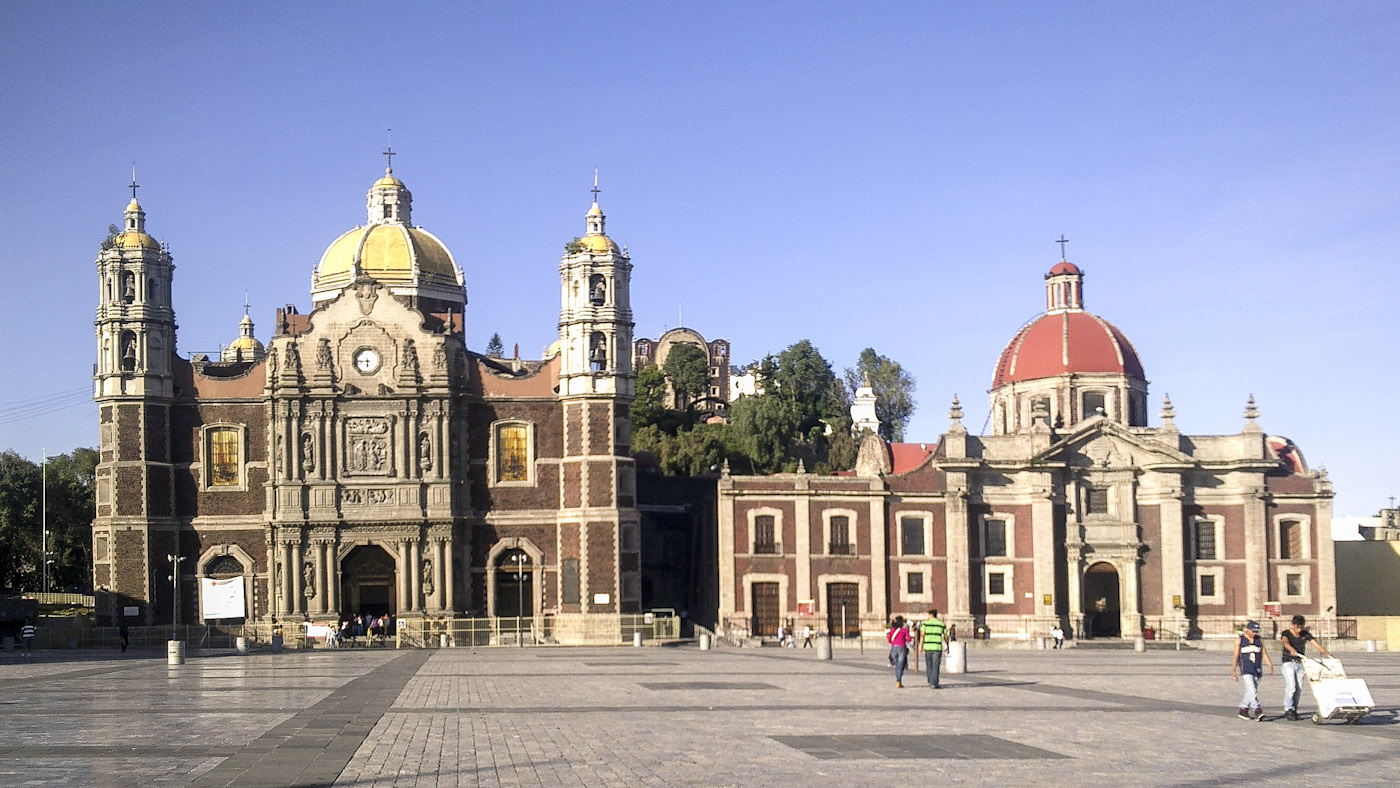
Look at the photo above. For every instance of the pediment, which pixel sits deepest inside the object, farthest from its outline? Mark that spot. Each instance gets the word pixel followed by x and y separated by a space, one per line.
pixel 1101 443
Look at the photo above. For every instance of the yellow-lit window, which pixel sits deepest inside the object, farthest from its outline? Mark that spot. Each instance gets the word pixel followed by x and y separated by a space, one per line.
pixel 512 453
pixel 222 453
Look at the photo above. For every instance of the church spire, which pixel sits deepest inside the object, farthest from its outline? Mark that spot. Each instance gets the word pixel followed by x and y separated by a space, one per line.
pixel 390 201
pixel 595 218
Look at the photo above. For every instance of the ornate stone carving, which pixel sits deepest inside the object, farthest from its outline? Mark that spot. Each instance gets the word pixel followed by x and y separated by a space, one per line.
pixel 365 295
pixel 425 452
pixel 323 355
pixel 439 358
pixel 272 362
pixel 308 578
pixel 293 359
pixel 427 576
pixel 410 358
pixel 367 446
pixel 308 452
pixel 366 497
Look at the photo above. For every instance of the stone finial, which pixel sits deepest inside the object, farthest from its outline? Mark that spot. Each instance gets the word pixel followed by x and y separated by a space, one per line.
pixel 955 411
pixel 1251 415
pixel 801 466
pixel 1040 416
pixel 724 469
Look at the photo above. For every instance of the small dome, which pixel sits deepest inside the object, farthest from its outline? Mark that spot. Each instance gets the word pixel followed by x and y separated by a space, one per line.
pixel 388 181
pixel 135 239
pixel 1066 342
pixel 1064 267
pixel 598 244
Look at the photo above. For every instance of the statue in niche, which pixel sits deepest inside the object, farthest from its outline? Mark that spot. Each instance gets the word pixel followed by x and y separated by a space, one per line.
pixel 427 576
pixel 308 576
pixel 323 354
pixel 410 357
pixel 271 362
pixel 439 358
pixel 425 452
pixel 308 452
pixel 360 455
pixel 293 359
pixel 376 456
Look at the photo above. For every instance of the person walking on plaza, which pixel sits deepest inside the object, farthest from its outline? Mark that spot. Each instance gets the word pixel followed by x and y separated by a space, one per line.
pixel 1295 641
pixel 1058 634
pixel 935 638
pixel 1249 661
pixel 124 632
pixel 806 635
pixel 27 633
pixel 899 638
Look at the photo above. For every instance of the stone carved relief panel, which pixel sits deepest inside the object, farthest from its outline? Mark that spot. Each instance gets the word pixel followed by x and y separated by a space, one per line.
pixel 368 446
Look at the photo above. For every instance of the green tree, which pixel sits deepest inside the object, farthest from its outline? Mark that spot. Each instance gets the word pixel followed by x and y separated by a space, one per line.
pixel 69 487
pixel 495 348
pixel 763 428
pixel 688 370
pixel 111 239
pixel 649 407
pixel 801 376
pixel 894 391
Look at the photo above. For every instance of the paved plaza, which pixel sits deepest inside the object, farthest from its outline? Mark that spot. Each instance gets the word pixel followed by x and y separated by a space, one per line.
pixel 668 716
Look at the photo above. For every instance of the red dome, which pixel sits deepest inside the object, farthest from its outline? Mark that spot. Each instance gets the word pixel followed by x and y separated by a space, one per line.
pixel 1065 267
pixel 1065 342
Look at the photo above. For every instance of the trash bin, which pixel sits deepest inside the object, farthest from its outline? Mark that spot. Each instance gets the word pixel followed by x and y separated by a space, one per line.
pixel 443 641
pixel 276 641
pixel 1149 633
pixel 175 652
pixel 823 647
pixel 1042 643
pixel 1139 643
pixel 637 639
pixel 704 642
pixel 240 645
pixel 955 657
pixel 1370 645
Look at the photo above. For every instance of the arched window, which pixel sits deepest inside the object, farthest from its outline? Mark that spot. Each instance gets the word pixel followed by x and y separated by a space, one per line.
pixel 512 452
pixel 223 456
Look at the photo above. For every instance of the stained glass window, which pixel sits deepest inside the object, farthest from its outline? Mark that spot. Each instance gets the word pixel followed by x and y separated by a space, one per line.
pixel 512 453
pixel 222 453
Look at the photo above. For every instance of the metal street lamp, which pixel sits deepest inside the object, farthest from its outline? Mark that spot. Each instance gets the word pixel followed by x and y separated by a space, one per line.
pixel 175 595
pixel 519 560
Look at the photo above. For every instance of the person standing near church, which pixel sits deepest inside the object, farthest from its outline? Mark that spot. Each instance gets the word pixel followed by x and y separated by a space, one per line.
pixel 935 638
pixel 899 639
pixel 1248 667
pixel 27 633
pixel 1295 641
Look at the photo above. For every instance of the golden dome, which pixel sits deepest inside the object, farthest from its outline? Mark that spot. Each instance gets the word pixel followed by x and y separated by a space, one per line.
pixel 598 244
pixel 388 181
pixel 247 344
pixel 135 239
pixel 389 253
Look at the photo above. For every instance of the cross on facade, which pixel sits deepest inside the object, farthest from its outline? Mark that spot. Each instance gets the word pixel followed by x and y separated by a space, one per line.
pixel 1063 240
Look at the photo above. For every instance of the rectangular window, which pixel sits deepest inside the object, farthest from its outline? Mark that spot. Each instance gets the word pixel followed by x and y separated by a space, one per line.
pixel 764 538
pixel 911 536
pixel 222 452
pixel 569 577
pixel 915 583
pixel 1097 501
pixel 1293 584
pixel 1207 585
pixel 840 536
pixel 1205 540
pixel 996 584
pixel 995 544
pixel 512 453
pixel 1290 539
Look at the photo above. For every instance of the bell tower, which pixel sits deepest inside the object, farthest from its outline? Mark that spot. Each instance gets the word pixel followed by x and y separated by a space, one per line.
pixel 134 529
pixel 599 522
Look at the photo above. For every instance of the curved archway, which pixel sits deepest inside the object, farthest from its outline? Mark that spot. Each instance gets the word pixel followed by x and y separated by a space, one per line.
pixel 1102 600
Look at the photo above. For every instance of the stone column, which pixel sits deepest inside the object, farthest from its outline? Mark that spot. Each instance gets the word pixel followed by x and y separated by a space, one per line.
pixel 298 558
pixel 402 575
pixel 1043 546
pixel 318 557
pixel 1256 553
pixel 1130 616
pixel 1173 551
pixel 879 563
pixel 289 573
pixel 449 577
pixel 332 577
pixel 274 591
pixel 1074 573
pixel 955 537
pixel 801 549
pixel 415 550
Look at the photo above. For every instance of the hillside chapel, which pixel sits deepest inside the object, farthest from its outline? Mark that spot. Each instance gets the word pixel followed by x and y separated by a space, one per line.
pixel 364 460
pixel 1072 511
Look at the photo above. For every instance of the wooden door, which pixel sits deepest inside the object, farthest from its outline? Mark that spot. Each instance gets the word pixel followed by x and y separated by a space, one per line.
pixel 767 610
pixel 841 596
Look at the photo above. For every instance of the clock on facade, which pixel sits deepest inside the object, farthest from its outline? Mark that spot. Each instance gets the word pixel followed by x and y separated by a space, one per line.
pixel 366 360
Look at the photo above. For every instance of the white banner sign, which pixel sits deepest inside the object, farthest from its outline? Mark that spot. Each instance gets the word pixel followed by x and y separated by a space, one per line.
pixel 221 598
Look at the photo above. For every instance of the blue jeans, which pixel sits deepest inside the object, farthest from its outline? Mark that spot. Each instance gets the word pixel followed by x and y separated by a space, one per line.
pixel 1250 701
pixel 933 660
pixel 900 655
pixel 1292 684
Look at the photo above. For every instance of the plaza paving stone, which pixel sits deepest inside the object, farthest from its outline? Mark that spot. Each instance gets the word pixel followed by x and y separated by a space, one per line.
pixel 624 716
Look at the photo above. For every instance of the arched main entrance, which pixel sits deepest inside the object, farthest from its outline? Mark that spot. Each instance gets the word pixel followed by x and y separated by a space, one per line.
pixel 1102 603
pixel 515 584
pixel 367 582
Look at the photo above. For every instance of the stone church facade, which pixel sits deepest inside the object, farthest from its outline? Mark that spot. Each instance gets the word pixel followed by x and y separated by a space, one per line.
pixel 1073 511
pixel 364 460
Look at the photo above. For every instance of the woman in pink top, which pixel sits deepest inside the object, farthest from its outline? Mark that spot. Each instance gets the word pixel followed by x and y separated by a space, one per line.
pixel 899 638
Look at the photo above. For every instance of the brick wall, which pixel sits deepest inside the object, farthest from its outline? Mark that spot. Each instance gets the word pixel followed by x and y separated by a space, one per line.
pixel 602 562
pixel 601 484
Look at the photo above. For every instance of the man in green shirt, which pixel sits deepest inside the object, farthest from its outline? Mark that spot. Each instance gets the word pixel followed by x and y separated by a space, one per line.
pixel 935 637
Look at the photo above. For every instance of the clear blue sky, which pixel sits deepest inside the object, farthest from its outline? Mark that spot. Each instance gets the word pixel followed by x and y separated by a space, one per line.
pixel 869 174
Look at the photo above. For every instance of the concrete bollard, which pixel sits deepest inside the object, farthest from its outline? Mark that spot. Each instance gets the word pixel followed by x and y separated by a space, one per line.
pixel 704 642
pixel 276 641
pixel 636 639
pixel 1370 645
pixel 240 645
pixel 1140 643
pixel 443 641
pixel 175 652
pixel 824 647
pixel 1042 644
pixel 955 657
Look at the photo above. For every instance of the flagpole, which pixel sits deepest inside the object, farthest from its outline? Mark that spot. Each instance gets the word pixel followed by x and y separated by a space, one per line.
pixel 44 522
